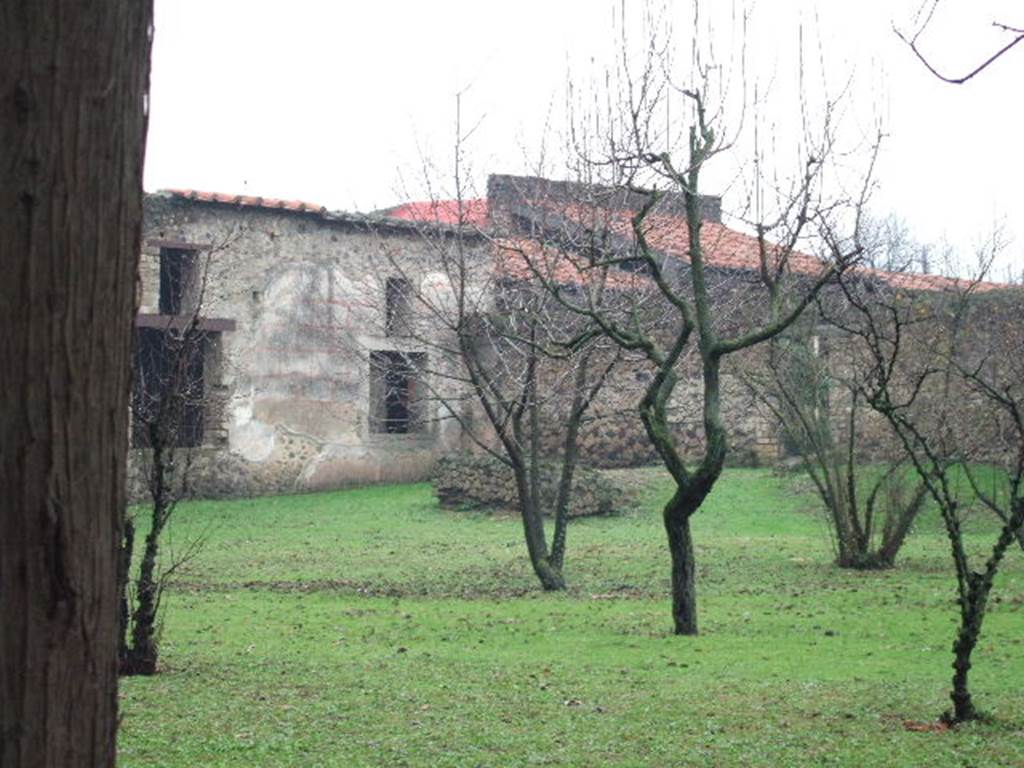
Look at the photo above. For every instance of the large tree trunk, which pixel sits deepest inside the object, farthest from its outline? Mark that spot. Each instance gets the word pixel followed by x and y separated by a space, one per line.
pixel 73 79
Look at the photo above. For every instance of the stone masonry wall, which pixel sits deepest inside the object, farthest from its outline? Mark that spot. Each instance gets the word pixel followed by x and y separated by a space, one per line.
pixel 614 435
pixel 474 480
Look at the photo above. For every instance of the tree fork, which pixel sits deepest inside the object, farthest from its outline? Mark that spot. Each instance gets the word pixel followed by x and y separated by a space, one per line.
pixel 549 575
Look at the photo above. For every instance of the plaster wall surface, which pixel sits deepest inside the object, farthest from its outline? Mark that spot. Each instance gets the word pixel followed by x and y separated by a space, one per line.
pixel 292 380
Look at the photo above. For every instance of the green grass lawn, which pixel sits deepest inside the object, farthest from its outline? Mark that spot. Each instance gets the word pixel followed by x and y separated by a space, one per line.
pixel 371 628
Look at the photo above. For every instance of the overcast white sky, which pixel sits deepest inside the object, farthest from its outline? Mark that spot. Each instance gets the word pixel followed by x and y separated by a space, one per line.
pixel 336 102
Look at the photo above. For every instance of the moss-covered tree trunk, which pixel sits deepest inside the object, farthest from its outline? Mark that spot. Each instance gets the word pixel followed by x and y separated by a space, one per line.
pixel 963 647
pixel 524 452
pixel 973 603
pixel 692 486
pixel 570 456
pixel 140 658
pixel 549 575
pixel 684 569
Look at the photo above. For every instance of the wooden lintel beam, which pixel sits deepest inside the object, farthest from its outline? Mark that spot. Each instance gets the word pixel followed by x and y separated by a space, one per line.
pixel 177 322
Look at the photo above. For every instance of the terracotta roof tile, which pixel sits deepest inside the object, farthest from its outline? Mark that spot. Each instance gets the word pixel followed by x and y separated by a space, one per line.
pixel 474 212
pixel 248 201
pixel 520 258
pixel 723 247
pixel 729 249
pixel 914 281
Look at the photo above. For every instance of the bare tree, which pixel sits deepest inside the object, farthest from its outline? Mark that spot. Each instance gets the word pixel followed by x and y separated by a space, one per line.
pixel 454 332
pixel 522 362
pixel 72 133
pixel 473 340
pixel 811 384
pixel 944 371
pixel 170 407
pixel 650 147
pixel 889 245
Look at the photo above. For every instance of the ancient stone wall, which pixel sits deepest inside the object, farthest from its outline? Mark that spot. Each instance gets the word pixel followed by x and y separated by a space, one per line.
pixel 613 434
pixel 289 386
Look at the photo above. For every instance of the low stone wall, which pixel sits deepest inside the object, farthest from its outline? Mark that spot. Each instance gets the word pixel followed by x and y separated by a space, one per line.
pixel 470 480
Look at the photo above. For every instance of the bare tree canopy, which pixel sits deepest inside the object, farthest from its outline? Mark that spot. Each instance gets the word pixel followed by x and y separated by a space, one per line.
pixel 476 343
pixel 649 142
pixel 944 370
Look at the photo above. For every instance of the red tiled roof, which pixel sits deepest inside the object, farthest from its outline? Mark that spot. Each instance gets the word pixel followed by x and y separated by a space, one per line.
pixel 726 248
pixel 723 247
pixel 249 201
pixel 729 249
pixel 915 281
pixel 473 212
pixel 522 258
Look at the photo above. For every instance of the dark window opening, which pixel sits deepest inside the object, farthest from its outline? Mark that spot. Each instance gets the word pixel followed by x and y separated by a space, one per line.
pixel 175 278
pixel 396 398
pixel 168 402
pixel 397 306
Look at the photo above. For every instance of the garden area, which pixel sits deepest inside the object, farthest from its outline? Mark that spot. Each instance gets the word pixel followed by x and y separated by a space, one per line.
pixel 371 627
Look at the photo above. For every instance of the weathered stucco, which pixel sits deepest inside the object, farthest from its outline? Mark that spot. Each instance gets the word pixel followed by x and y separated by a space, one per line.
pixel 289 386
